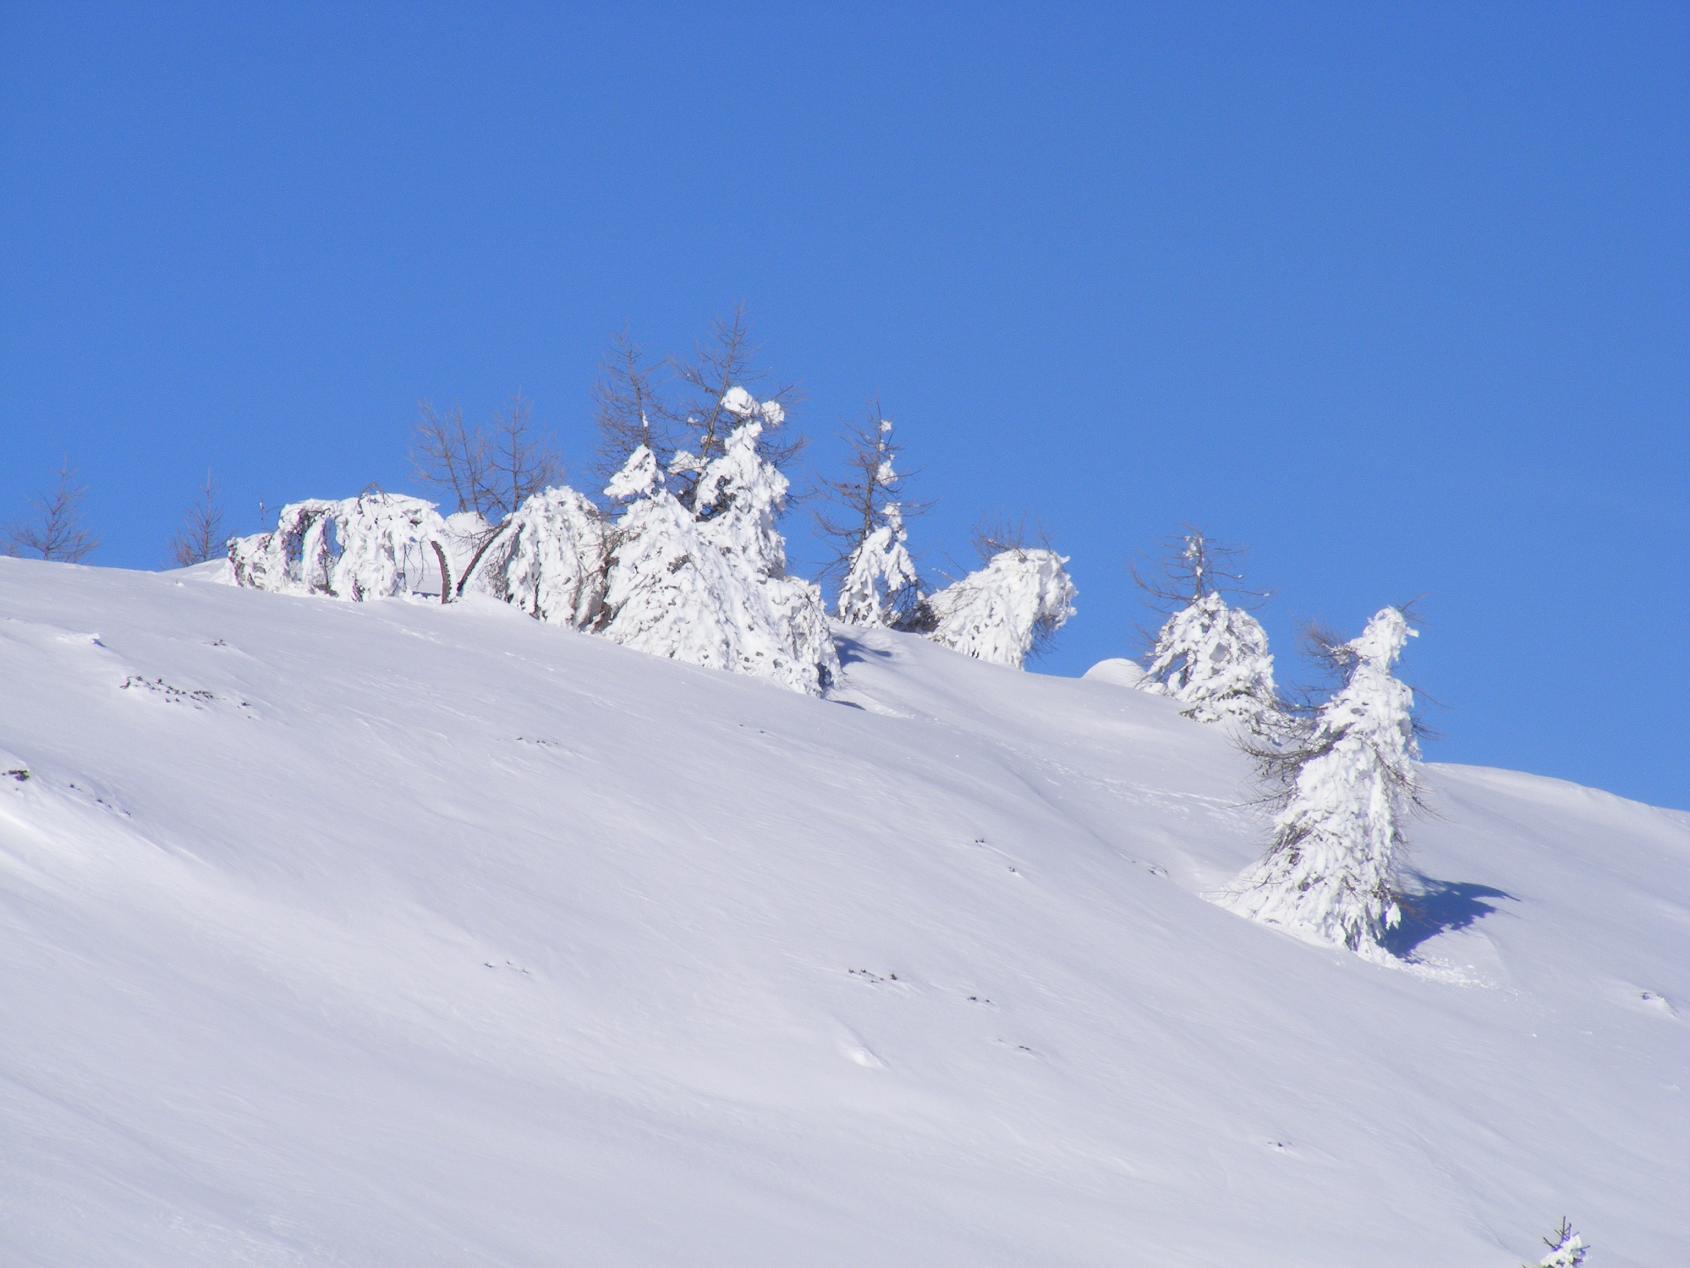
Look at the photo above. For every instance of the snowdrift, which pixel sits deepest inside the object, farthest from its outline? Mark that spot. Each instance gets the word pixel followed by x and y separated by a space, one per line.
pixel 400 934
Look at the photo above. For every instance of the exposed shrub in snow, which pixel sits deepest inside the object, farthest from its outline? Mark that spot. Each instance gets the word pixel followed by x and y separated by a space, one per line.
pixel 371 546
pixel 549 559
pixel 1000 612
pixel 1349 783
pixel 1211 655
pixel 714 592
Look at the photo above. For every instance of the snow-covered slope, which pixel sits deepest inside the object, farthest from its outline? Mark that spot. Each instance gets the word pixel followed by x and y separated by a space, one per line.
pixel 403 935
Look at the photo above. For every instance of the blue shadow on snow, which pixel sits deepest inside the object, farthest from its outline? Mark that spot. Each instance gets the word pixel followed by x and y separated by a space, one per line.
pixel 1440 907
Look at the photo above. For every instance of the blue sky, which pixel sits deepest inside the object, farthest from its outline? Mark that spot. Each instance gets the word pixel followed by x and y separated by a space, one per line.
pixel 1397 296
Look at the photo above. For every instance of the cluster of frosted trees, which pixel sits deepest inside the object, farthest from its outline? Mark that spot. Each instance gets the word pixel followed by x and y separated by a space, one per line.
pixel 704 583
pixel 1342 775
pixel 682 558
pixel 999 613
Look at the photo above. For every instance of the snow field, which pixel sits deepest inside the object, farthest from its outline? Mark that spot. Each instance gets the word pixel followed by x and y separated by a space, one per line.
pixel 392 933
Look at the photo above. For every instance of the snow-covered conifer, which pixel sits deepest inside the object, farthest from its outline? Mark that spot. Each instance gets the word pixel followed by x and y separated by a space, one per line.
pixel 371 546
pixel 1566 1248
pixel 714 593
pixel 879 585
pixel 740 493
pixel 880 579
pixel 549 559
pixel 716 379
pixel 1210 655
pixel 998 613
pixel 1348 785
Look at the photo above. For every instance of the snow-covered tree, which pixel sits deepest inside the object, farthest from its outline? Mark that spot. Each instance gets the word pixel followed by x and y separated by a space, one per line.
pixel 1000 612
pixel 370 546
pixel 719 368
pixel 1210 655
pixel 879 584
pixel 549 559
pixel 714 591
pixel 740 492
pixel 1347 785
pixel 1566 1248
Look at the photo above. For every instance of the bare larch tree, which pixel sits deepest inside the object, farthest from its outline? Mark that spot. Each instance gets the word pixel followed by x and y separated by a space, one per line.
pixel 55 530
pixel 201 537
pixel 630 410
pixel 491 470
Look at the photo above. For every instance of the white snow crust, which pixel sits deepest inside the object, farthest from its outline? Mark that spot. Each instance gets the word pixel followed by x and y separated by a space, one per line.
pixel 405 934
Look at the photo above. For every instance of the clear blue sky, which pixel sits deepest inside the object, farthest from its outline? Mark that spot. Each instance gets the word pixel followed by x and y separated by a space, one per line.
pixel 1396 295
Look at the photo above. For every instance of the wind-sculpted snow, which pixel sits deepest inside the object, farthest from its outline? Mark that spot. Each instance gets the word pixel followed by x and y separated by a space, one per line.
pixel 433 935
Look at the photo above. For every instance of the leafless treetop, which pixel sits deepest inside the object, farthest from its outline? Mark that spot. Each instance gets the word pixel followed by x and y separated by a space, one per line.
pixel 55 530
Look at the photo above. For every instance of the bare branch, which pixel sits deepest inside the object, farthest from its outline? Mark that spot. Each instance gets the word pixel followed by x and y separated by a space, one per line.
pixel 55 531
pixel 201 537
pixel 450 457
pixel 630 409
pixel 491 471
pixel 993 535
pixel 1194 565
pixel 523 462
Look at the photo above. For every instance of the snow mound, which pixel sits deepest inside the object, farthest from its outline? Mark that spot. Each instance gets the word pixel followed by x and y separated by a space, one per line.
pixel 1118 671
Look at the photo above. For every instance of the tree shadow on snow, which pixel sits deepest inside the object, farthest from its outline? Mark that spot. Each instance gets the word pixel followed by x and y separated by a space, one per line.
pixel 1439 907
pixel 851 651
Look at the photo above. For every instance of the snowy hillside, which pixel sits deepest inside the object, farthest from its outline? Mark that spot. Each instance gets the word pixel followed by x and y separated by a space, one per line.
pixel 394 934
